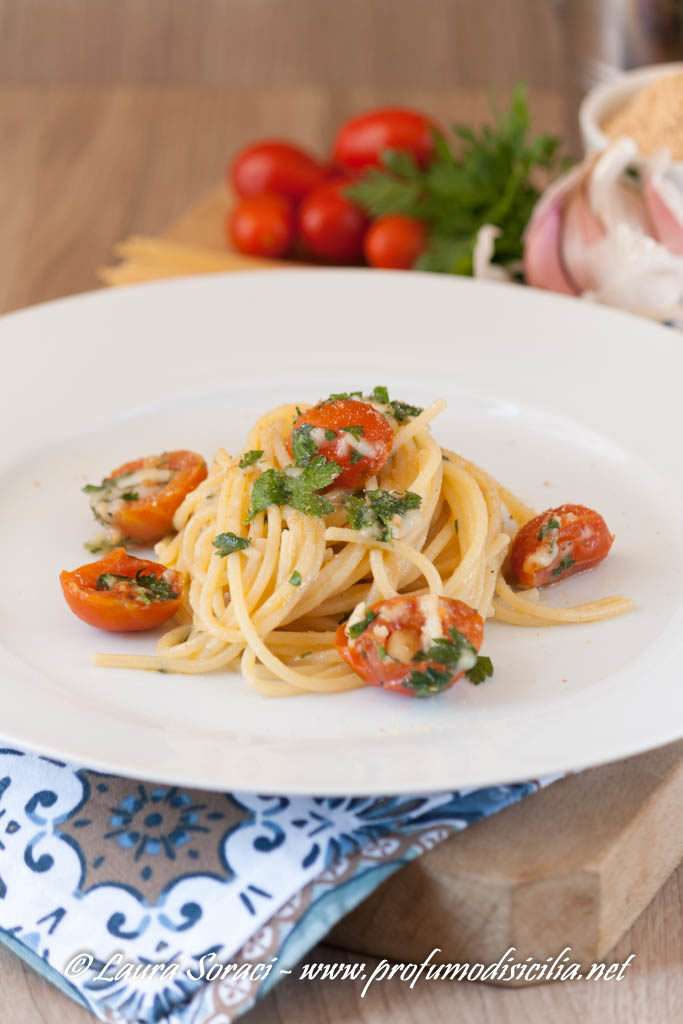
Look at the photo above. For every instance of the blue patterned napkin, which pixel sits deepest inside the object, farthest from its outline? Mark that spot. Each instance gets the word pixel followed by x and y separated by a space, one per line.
pixel 97 870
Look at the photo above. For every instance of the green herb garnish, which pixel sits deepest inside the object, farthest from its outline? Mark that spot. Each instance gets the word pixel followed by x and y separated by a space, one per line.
pixel 355 458
pixel 566 563
pixel 552 524
pixel 356 432
pixel 295 579
pixel 481 670
pixel 130 496
pixel 357 628
pixel 374 510
pixel 278 487
pixel 149 587
pixel 330 434
pixel 487 182
pixel 228 543
pixel 304 447
pixel 250 458
pixel 380 395
pixel 427 682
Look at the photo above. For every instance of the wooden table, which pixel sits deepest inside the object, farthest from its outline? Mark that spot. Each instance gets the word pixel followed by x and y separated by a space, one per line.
pixel 84 168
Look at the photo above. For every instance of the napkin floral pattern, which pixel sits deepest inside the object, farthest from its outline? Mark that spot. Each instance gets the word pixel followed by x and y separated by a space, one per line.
pixel 152 886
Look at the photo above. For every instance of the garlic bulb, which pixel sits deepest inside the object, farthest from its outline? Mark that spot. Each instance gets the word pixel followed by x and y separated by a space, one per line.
pixel 602 233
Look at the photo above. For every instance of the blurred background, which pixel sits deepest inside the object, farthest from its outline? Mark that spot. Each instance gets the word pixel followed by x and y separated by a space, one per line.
pixel 115 115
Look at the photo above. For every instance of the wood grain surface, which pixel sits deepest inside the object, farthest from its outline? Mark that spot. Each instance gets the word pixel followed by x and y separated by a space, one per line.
pixel 85 167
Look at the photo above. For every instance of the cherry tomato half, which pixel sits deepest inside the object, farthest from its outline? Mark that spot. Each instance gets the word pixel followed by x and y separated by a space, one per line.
pixel 351 433
pixel 274 166
pixel 261 225
pixel 123 594
pixel 558 544
pixel 414 645
pixel 394 242
pixel 361 140
pixel 140 498
pixel 331 225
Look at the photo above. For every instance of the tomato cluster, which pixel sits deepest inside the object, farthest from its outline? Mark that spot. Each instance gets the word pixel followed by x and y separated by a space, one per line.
pixel 292 203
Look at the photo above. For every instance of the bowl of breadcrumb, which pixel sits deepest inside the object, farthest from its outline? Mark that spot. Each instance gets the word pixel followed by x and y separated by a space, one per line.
pixel 645 104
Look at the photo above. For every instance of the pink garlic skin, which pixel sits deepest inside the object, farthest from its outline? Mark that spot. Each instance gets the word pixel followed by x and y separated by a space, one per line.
pixel 665 208
pixel 543 264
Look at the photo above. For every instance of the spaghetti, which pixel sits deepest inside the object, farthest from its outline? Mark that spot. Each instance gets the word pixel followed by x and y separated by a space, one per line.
pixel 271 608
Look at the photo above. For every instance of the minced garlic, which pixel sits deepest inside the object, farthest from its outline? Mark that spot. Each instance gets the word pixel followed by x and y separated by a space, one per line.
pixel 653 117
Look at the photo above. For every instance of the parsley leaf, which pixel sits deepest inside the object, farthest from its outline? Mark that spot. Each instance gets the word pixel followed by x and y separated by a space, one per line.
pixel 359 627
pixel 402 411
pixel 158 589
pixel 341 395
pixel 295 578
pixel 481 670
pixel 428 682
pixel 489 181
pixel 356 431
pixel 374 510
pixel 130 496
pixel 270 488
pixel 227 543
pixel 380 395
pixel 277 487
pixel 330 434
pixel 552 524
pixel 304 447
pixel 566 563
pixel 91 488
pixel 250 458
pixel 355 457
pixel 458 653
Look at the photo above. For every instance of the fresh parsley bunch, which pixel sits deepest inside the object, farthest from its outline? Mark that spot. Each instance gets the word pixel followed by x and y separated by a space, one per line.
pixel 488 182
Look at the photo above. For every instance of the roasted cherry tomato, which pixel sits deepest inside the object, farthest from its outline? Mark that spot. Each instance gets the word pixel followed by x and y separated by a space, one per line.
pixel 351 433
pixel 331 225
pixel 558 544
pixel 123 594
pixel 262 225
pixel 414 645
pixel 273 166
pixel 361 140
pixel 394 242
pixel 139 499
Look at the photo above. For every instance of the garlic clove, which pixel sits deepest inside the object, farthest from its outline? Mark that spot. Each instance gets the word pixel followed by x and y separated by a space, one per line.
pixel 580 229
pixel 543 266
pixel 664 203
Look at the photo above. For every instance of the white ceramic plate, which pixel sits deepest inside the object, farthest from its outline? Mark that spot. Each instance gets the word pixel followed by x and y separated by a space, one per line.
pixel 561 400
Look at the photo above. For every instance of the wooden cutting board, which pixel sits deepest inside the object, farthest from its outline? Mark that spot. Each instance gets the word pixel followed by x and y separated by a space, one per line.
pixel 572 865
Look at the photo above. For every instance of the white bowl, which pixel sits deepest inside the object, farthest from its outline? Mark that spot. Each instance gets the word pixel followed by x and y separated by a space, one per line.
pixel 605 99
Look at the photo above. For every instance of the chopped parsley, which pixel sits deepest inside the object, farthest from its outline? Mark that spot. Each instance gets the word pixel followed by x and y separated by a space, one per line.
pixel 380 395
pixel 330 434
pixel 357 628
pixel 382 651
pixel 552 524
pixel 458 654
pixel 342 396
pixel 304 447
pixel 345 617
pixel 91 488
pixel 566 563
pixel 428 682
pixel 481 670
pixel 374 510
pixel 278 487
pixel 228 543
pixel 355 431
pixel 403 411
pixel 148 588
pixel 355 458
pixel 130 496
pixel 250 458
pixel 295 578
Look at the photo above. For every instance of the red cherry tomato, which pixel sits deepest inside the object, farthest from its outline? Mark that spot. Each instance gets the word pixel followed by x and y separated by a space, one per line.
pixel 361 140
pixel 331 225
pixel 394 242
pixel 397 649
pixel 140 498
pixel 559 543
pixel 261 226
pixel 352 434
pixel 273 166
pixel 123 594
